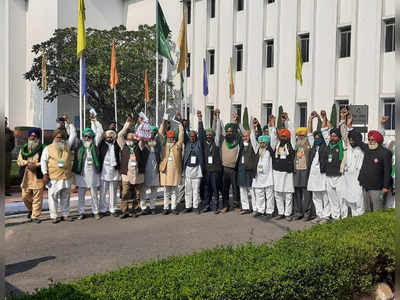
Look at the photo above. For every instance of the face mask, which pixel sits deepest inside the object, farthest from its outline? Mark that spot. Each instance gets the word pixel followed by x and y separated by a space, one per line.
pixel 129 143
pixel 60 145
pixel 318 142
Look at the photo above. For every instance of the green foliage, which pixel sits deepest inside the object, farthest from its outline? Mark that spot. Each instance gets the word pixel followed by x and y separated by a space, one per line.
pixel 280 113
pixel 135 54
pixel 333 118
pixel 246 119
pixel 332 261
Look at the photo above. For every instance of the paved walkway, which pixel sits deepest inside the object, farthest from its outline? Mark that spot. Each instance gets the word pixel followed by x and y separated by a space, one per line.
pixel 38 254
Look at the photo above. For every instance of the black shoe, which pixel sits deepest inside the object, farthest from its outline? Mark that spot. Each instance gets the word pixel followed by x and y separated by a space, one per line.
pixel 187 210
pixel 245 212
pixel 197 211
pixel 165 212
pixel 257 214
pixel 29 215
pixel 279 217
pixel 146 212
pixel 81 217
pixel 37 221
pixel 66 219
pixel 56 220
pixel 116 215
pixel 310 218
pixel 175 212
pixel 106 214
pixel 124 215
pixel 216 212
pixel 298 217
pixel 204 210
pixel 153 212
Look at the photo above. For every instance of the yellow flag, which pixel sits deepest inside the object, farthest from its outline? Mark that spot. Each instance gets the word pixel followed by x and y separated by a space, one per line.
pixel 44 72
pixel 81 44
pixel 299 64
pixel 182 45
pixel 146 88
pixel 113 70
pixel 231 84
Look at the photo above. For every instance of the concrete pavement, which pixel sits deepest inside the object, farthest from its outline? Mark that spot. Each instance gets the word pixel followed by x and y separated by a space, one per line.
pixel 38 254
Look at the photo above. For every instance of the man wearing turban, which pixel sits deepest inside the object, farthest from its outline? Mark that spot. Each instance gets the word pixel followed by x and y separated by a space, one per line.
pixel 87 167
pixel 283 171
pixel 375 174
pixel 32 178
pixel 56 165
pixel 171 166
pixel 109 158
pixel 303 205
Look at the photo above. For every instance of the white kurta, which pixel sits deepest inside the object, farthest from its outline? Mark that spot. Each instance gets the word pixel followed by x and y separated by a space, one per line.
pixel 283 182
pixel 89 177
pixel 349 185
pixel 316 180
pixel 264 177
pixel 109 172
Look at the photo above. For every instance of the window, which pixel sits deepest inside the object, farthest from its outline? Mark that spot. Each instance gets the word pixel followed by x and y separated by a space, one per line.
pixel 270 1
pixel 212 9
pixel 266 112
pixel 237 108
pixel 188 66
pixel 269 45
pixel 240 5
pixel 389 111
pixel 189 11
pixel 344 41
pixel 210 110
pixel 211 62
pixel 239 57
pixel 389 35
pixel 304 40
pixel 302 114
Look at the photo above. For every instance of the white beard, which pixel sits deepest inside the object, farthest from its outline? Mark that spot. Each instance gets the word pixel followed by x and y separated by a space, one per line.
pixel 60 145
pixel 87 144
pixel 32 144
pixel 262 151
pixel 372 146
pixel 129 143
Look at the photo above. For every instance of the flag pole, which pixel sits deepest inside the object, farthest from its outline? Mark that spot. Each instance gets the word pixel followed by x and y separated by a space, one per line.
pixel 185 112
pixel 115 107
pixel 43 119
pixel 156 65
pixel 165 97
pixel 84 111
pixel 80 96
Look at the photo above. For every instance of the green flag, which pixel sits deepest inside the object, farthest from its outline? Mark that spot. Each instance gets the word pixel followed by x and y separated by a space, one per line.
pixel 162 35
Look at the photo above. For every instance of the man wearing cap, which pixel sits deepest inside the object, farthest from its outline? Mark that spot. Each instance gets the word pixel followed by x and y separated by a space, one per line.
pixel 152 173
pixel 133 163
pixel 263 183
pixel 32 178
pixel 375 174
pixel 302 201
pixel 87 167
pixel 10 144
pixel 193 167
pixel 351 190
pixel 171 166
pixel 109 152
pixel 56 164
pixel 213 167
pixel 282 162
pixel 230 148
pixel 317 165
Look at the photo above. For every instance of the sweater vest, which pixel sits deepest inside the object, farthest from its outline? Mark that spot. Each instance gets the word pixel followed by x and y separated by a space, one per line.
pixel 55 172
pixel 229 156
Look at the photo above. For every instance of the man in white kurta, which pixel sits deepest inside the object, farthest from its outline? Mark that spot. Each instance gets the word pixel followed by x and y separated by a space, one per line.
pixel 56 165
pixel 86 168
pixel 351 190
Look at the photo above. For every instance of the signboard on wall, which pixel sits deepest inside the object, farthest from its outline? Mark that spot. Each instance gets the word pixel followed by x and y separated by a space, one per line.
pixel 360 114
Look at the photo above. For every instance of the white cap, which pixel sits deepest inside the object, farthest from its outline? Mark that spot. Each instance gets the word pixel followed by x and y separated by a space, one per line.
pixel 92 111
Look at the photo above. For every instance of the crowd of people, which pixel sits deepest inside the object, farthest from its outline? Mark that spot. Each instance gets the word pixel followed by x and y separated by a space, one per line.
pixel 316 174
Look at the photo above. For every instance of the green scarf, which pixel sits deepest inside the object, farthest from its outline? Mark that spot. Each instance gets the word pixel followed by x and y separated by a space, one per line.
pixel 26 154
pixel 231 146
pixel 82 153
pixel 339 144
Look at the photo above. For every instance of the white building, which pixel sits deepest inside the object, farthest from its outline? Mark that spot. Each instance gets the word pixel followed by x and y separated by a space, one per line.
pixel 347 48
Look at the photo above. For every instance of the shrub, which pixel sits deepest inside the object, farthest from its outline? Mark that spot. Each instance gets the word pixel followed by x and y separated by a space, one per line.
pixel 332 261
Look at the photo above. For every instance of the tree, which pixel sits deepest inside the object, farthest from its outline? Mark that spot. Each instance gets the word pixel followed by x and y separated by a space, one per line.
pixel 333 118
pixel 135 54
pixel 246 119
pixel 280 113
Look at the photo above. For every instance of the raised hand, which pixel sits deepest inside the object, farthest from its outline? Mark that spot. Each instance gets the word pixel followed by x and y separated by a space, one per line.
pixel 199 115
pixel 272 121
pixel 323 114
pixel 217 113
pixel 384 119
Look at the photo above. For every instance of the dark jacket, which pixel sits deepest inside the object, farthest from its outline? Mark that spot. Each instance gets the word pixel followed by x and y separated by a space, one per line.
pixel 323 157
pixel 39 173
pixel 141 159
pixel 250 158
pixel 333 166
pixel 215 152
pixel 376 169
pixel 195 149
pixel 283 165
pixel 103 149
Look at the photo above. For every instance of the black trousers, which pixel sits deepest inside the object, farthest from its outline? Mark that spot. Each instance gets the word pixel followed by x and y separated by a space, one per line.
pixel 211 191
pixel 229 179
pixel 303 204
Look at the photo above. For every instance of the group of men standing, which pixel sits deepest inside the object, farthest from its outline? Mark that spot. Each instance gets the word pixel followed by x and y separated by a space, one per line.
pixel 317 175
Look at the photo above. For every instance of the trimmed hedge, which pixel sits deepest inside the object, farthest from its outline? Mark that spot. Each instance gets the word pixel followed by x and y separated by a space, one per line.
pixel 332 261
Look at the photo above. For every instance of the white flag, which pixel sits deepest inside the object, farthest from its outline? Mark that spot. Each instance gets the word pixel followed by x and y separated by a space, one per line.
pixel 164 75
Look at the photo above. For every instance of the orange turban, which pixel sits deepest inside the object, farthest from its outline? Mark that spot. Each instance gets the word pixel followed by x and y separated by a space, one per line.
pixel 284 132
pixel 171 134
pixel 376 135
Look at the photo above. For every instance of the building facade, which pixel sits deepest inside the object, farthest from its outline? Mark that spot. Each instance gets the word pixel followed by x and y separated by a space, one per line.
pixel 347 47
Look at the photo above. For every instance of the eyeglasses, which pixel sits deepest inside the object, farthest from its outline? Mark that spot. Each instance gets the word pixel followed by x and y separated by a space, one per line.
pixel 371 140
pixel 88 136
